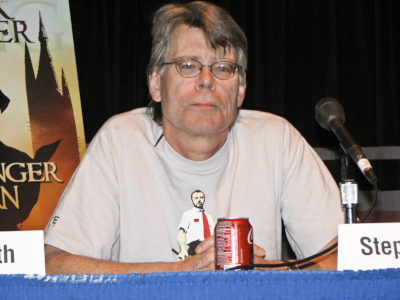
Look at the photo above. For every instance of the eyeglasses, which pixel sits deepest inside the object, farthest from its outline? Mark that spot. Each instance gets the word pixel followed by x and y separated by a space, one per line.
pixel 189 68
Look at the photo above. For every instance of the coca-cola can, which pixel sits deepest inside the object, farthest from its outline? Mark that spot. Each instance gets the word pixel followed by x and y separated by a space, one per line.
pixel 233 243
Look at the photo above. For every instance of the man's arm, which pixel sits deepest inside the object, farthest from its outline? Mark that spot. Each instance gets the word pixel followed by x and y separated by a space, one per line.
pixel 325 262
pixel 61 262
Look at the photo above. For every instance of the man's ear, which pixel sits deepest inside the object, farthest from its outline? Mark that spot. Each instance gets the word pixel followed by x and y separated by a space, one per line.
pixel 154 85
pixel 241 93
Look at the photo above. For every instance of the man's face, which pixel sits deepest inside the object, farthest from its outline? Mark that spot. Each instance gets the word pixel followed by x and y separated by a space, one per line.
pixel 198 199
pixel 200 106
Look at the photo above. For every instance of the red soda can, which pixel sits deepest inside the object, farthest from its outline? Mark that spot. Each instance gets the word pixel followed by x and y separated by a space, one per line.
pixel 233 243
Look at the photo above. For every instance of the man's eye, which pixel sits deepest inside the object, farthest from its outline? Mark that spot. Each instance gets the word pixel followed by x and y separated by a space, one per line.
pixel 224 68
pixel 187 66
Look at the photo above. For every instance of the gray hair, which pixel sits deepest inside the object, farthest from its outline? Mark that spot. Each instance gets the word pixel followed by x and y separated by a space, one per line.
pixel 217 24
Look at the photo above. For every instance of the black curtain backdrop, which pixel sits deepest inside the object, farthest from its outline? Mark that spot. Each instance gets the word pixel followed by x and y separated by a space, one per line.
pixel 299 52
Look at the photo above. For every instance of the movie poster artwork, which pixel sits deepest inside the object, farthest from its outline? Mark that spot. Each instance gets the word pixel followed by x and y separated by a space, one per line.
pixel 41 127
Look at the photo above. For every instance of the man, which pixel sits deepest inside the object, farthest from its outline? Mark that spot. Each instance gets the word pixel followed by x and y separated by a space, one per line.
pixel 120 212
pixel 196 225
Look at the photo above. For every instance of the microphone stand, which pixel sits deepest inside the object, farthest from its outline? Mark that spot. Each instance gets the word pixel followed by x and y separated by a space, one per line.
pixel 349 195
pixel 348 189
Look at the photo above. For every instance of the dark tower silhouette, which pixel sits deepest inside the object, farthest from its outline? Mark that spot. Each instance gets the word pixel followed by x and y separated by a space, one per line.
pixel 50 109
pixel 52 119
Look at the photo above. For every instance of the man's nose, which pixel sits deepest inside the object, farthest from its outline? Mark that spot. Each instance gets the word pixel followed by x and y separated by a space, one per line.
pixel 205 79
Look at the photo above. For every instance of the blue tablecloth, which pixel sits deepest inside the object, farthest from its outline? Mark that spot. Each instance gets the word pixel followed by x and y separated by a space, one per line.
pixel 376 284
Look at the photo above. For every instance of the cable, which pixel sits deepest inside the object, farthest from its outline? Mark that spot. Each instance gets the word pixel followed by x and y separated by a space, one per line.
pixel 300 261
pixel 375 183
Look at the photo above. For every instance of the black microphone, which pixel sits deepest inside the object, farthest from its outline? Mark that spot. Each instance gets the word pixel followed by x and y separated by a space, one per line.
pixel 330 115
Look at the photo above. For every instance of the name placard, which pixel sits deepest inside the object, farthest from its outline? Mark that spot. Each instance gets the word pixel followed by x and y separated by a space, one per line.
pixel 22 252
pixel 369 246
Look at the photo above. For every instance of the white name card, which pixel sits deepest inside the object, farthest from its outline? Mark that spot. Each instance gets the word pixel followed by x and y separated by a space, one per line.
pixel 369 246
pixel 22 252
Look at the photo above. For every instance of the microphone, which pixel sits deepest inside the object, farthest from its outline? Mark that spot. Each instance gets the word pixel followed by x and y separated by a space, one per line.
pixel 330 115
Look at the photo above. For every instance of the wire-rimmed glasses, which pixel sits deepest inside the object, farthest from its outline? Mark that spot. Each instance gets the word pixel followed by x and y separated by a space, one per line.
pixel 189 67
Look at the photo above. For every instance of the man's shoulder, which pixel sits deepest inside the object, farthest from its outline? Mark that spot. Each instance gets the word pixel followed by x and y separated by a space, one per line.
pixel 129 127
pixel 259 119
pixel 135 116
pixel 136 121
pixel 263 127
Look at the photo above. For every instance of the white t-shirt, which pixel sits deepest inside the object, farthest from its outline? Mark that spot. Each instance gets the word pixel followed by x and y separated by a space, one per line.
pixel 126 199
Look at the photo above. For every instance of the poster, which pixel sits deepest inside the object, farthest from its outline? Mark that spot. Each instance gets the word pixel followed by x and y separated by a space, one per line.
pixel 41 126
